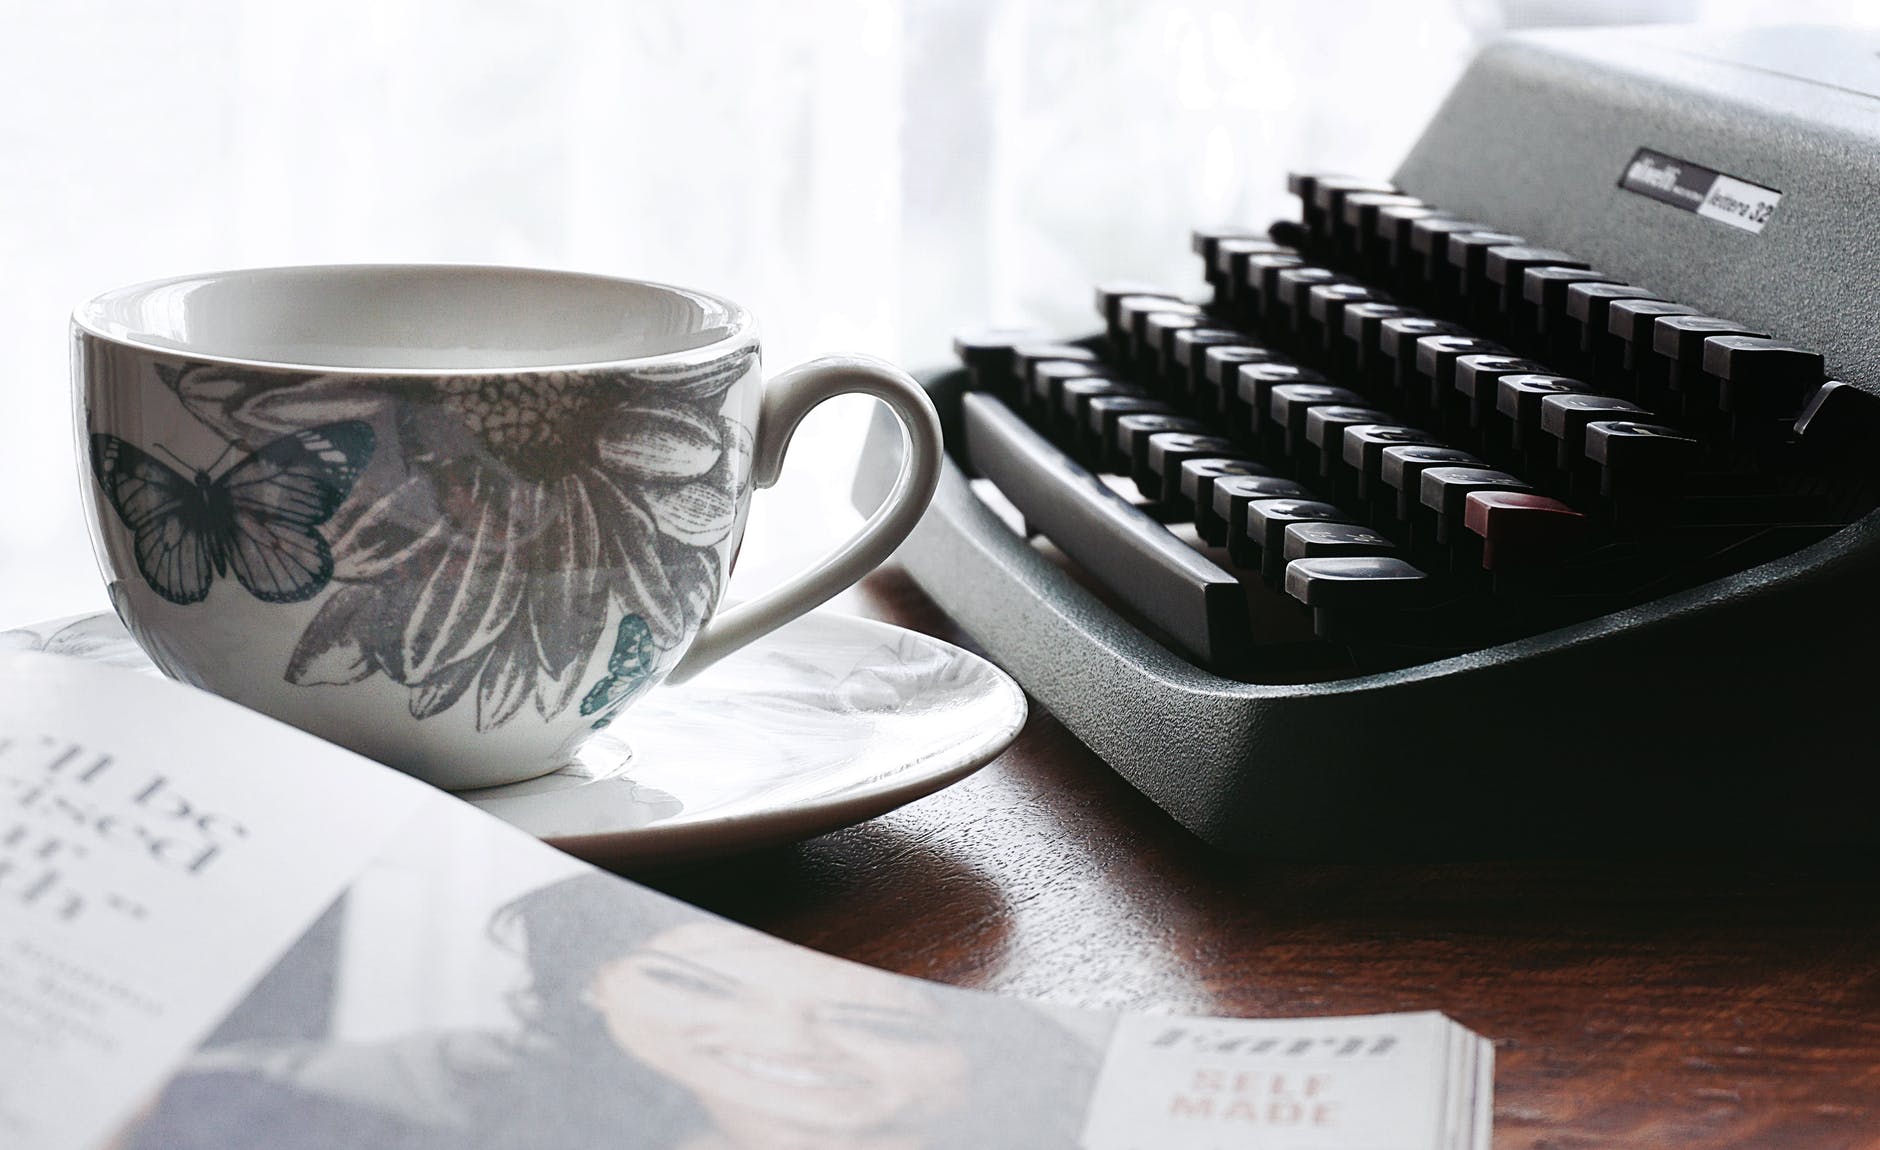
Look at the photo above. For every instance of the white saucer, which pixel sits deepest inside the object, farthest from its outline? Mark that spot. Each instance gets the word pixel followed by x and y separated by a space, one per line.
pixel 825 722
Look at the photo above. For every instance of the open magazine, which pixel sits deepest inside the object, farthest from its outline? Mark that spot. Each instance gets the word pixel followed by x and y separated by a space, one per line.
pixel 217 931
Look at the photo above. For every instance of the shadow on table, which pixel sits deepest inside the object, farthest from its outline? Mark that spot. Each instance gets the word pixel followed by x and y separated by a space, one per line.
pixel 881 892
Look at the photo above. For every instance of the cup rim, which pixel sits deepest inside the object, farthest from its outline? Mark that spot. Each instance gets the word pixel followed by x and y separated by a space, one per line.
pixel 741 324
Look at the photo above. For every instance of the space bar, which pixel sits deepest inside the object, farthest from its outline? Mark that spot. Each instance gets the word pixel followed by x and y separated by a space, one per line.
pixel 1201 607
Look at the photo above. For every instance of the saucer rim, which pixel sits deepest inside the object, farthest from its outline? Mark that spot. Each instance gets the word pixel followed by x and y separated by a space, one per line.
pixel 647 848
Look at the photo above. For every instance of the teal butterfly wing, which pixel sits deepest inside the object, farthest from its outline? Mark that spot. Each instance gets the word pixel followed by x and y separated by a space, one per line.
pixel 629 668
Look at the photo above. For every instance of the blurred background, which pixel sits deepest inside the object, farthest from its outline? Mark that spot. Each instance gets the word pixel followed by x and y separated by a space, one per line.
pixel 866 175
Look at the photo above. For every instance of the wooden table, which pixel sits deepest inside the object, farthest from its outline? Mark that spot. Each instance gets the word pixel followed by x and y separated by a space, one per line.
pixel 1658 1003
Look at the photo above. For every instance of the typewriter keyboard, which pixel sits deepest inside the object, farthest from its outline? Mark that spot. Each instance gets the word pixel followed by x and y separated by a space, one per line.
pixel 1391 435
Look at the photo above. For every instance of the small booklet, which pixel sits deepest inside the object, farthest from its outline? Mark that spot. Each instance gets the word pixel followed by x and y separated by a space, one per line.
pixel 218 931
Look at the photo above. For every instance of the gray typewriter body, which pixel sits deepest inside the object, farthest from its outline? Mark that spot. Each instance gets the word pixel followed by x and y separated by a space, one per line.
pixel 1731 714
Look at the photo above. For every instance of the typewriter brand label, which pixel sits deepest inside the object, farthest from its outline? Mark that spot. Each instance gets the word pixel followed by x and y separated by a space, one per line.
pixel 1696 188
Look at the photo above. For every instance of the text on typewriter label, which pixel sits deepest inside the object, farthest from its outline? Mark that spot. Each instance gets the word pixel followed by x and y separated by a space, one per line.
pixel 1696 188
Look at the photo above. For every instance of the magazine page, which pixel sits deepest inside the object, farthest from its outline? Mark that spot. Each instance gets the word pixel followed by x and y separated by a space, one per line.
pixel 255 939
pixel 546 1005
pixel 159 849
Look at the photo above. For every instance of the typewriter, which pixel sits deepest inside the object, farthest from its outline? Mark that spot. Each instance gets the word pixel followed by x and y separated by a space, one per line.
pixel 1522 502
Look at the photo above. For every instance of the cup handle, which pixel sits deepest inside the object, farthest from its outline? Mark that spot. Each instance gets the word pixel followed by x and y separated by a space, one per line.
pixel 787 399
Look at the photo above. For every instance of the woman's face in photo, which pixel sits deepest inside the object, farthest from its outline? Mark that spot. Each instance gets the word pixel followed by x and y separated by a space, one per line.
pixel 754 1028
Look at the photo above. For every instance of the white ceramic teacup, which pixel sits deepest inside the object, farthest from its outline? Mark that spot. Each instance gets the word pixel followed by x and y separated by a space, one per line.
pixel 455 518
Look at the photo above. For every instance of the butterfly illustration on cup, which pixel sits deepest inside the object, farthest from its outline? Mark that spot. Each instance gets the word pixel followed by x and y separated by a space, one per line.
pixel 259 519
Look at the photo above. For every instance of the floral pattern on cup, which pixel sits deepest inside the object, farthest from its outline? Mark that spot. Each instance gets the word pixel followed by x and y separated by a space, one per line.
pixel 505 519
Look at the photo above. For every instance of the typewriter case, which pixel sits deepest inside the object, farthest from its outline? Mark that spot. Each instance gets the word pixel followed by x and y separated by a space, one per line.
pixel 1734 715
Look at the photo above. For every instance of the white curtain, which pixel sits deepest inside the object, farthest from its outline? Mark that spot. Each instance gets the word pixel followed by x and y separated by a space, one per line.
pixel 865 174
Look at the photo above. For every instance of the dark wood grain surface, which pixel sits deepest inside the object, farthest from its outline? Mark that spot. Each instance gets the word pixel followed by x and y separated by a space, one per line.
pixel 1646 1003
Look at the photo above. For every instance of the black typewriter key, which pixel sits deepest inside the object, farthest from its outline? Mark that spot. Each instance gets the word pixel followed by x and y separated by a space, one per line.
pixel 1476 380
pixel 1220 367
pixel 1301 184
pixel 1564 418
pixel 1361 208
pixel 1253 391
pixel 1521 529
pixel 1166 454
pixel 1427 276
pixel 1067 359
pixel 1074 396
pixel 1357 237
pixel 1629 324
pixel 1228 503
pixel 1325 312
pixel 1026 356
pixel 1265 532
pixel 1504 267
pixel 1048 377
pixel 1587 306
pixel 1133 313
pixel 1688 395
pixel 1397 353
pixel 1129 309
pixel 1158 345
pixel 1545 287
pixel 1328 202
pixel 1630 321
pixel 1305 185
pixel 1111 293
pixel 1464 256
pixel 1325 432
pixel 1442 491
pixel 1196 486
pixel 1635 458
pixel 1429 243
pixel 1230 269
pixel 1129 445
pixel 1518 400
pixel 1403 467
pixel 1360 599
pixel 1259 284
pixel 1764 382
pixel 1319 540
pixel 1289 315
pixel 1679 339
pixel 1351 594
pixel 1190 348
pixel 987 353
pixel 1357 351
pixel 1362 453
pixel 1436 359
pixel 1150 341
pixel 1542 313
pixel 1588 303
pixel 1391 236
pixel 1287 405
pixel 1228 272
pixel 1330 192
pixel 1230 255
pixel 1100 417
pixel 1204 241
